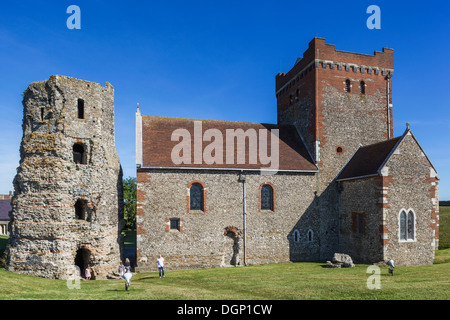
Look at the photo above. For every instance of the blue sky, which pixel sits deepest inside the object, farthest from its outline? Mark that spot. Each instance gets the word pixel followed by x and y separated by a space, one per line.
pixel 218 60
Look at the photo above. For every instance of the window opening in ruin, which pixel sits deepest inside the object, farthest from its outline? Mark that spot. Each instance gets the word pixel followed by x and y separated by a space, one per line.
pixel 266 197
pixel 347 85
pixel 79 156
pixel 196 197
pixel 80 109
pixel 42 114
pixel 80 210
pixel 339 149
pixel 362 87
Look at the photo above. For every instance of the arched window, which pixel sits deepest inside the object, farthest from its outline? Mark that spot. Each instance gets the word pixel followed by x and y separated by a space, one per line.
pixel 79 155
pixel 410 226
pixel 296 236
pixel 362 87
pixel 347 86
pixel 403 225
pixel 196 197
pixel 309 236
pixel 267 197
pixel 407 226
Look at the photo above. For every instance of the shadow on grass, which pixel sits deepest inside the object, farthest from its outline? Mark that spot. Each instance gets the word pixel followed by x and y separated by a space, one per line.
pixel 148 278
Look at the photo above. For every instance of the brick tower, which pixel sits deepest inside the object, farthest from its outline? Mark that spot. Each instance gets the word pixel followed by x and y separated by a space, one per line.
pixel 67 207
pixel 337 100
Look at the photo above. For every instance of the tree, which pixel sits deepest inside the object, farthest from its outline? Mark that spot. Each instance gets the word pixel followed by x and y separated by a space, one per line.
pixel 129 202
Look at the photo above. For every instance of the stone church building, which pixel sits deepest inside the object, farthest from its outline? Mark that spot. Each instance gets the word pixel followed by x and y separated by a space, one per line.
pixel 336 180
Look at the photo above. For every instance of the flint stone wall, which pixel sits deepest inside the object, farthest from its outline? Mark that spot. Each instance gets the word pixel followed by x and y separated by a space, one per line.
pixel 408 183
pixel 412 186
pixel 202 240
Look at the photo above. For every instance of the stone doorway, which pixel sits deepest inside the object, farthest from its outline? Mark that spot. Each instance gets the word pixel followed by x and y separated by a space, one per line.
pixel 231 247
pixel 82 260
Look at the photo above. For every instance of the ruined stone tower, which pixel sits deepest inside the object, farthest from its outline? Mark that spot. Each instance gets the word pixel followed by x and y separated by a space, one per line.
pixel 67 207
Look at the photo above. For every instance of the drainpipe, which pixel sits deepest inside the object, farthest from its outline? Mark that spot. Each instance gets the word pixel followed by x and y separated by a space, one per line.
pixel 388 76
pixel 244 215
pixel 317 142
pixel 317 149
pixel 340 188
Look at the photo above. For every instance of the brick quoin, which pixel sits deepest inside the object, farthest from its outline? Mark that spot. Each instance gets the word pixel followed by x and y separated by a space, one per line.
pixel 143 177
pixel 140 211
pixel 384 229
pixel 433 183
pixel 383 183
pixel 140 195
pixel 139 229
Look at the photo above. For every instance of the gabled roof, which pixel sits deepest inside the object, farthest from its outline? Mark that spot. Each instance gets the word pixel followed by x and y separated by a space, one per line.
pixel 5 207
pixel 157 144
pixel 369 160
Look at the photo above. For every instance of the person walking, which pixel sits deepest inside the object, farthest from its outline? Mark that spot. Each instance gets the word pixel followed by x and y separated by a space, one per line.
pixel 160 265
pixel 127 276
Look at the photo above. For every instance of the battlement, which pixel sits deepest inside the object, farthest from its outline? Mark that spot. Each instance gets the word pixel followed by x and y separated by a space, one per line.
pixel 321 54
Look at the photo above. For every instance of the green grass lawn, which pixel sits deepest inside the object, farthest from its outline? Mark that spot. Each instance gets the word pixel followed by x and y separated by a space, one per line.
pixel 129 238
pixel 290 281
pixel 444 227
pixel 266 282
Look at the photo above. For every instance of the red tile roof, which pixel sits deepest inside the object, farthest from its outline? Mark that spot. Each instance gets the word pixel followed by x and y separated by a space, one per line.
pixel 368 159
pixel 157 144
